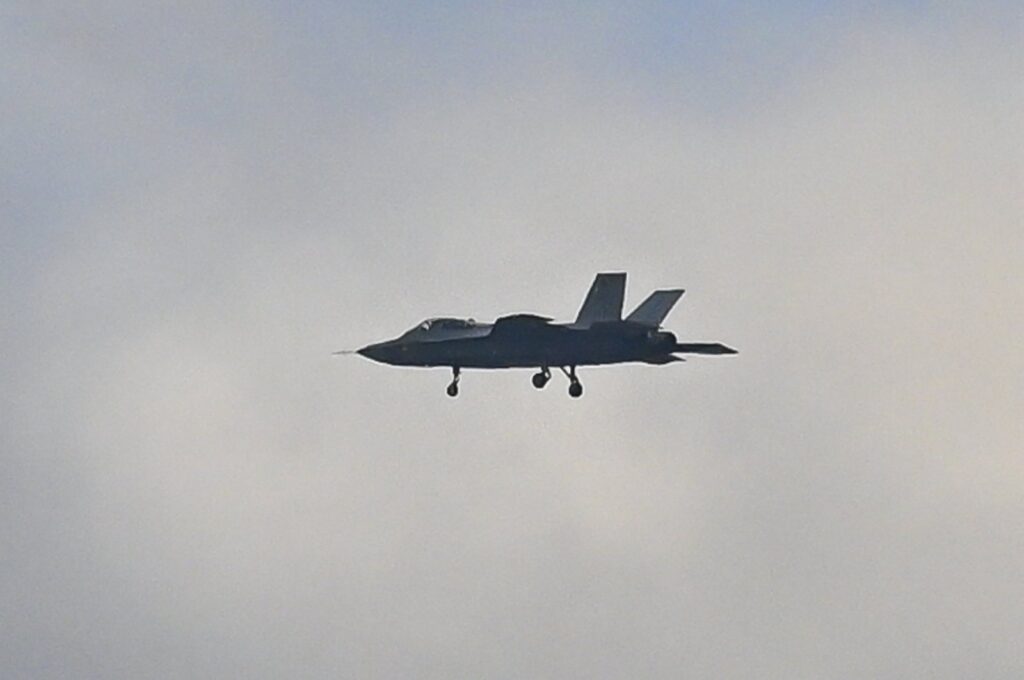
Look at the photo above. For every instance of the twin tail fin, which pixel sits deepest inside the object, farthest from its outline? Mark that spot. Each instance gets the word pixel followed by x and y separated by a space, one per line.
pixel 655 308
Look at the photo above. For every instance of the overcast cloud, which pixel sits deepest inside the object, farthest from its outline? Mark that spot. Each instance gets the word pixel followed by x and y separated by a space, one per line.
pixel 199 202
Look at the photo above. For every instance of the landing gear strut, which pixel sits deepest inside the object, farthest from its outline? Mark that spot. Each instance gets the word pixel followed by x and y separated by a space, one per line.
pixel 453 387
pixel 575 386
pixel 541 379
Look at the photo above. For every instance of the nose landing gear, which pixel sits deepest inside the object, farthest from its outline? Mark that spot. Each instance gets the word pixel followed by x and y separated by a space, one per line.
pixel 453 387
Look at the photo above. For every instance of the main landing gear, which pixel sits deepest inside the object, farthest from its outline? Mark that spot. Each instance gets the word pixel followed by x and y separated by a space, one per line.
pixel 453 387
pixel 540 380
pixel 575 386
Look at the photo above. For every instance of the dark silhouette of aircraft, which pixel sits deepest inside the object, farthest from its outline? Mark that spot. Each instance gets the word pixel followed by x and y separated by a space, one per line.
pixel 598 336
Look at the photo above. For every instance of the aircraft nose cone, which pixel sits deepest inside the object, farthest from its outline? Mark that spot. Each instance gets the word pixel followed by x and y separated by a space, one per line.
pixel 375 352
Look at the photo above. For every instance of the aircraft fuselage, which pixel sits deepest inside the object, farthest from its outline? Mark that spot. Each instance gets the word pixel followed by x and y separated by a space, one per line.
pixel 548 345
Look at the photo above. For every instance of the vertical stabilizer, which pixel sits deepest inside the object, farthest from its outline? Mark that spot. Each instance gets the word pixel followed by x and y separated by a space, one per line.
pixel 655 308
pixel 604 300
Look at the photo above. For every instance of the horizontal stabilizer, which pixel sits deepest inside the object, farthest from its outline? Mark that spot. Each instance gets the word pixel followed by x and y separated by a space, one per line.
pixel 704 348
pixel 655 308
pixel 604 300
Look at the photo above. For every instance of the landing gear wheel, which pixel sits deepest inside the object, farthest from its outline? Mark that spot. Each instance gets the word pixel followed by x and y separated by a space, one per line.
pixel 575 390
pixel 453 390
pixel 541 379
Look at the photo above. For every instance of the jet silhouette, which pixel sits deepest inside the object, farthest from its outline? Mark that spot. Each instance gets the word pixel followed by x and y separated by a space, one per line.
pixel 598 336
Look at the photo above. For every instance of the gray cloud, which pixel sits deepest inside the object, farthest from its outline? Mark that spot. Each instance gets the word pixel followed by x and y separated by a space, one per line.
pixel 203 203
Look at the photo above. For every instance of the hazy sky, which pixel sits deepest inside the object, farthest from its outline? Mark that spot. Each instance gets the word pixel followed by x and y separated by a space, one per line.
pixel 200 201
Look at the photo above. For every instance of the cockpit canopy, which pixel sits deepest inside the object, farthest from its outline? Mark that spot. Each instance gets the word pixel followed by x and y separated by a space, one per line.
pixel 432 326
pixel 448 324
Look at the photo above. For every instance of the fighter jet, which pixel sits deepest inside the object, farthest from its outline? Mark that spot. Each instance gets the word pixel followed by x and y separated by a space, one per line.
pixel 598 336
